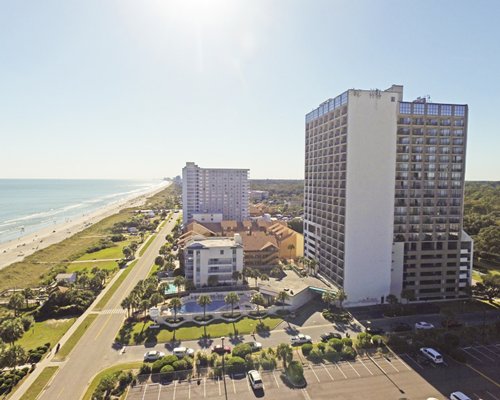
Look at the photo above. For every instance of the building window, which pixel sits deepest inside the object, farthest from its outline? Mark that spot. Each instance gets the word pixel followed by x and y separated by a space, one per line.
pixel 418 108
pixel 222 252
pixel 432 109
pixel 445 110
pixel 459 111
pixel 405 108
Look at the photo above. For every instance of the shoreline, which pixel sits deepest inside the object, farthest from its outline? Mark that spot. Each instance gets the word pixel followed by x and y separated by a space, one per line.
pixel 17 249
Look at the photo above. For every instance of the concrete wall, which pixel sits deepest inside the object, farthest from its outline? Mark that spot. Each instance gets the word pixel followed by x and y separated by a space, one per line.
pixel 371 160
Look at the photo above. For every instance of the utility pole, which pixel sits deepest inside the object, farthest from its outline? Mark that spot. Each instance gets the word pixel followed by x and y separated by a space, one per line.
pixel 223 364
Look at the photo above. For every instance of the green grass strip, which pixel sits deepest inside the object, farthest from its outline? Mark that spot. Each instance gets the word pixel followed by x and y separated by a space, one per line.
pixel 115 368
pixel 104 299
pixel 75 337
pixel 40 382
pixel 148 243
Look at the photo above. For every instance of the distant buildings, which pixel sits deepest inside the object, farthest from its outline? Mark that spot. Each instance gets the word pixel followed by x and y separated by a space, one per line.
pixel 384 185
pixel 258 195
pixel 214 191
pixel 212 261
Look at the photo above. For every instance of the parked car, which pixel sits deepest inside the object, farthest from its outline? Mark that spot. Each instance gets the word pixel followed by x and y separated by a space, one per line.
pixel 255 346
pixel 451 323
pixel 255 379
pixel 153 355
pixel 301 339
pixel 183 351
pixel 423 325
pixel 220 349
pixel 325 337
pixel 402 327
pixel 459 396
pixel 375 330
pixel 432 355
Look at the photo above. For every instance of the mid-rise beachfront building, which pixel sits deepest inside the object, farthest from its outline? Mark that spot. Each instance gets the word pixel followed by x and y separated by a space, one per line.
pixel 215 191
pixel 211 261
pixel 383 197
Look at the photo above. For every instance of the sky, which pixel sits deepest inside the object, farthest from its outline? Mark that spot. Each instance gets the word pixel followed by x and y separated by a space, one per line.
pixel 134 89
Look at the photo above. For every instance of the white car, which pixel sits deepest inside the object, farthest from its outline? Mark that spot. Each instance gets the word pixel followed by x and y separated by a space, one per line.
pixel 183 351
pixel 255 379
pixel 432 355
pixel 423 325
pixel 256 346
pixel 153 355
pixel 301 339
pixel 459 396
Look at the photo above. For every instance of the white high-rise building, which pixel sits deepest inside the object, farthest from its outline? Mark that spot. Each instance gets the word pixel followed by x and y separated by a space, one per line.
pixel 214 191
pixel 383 196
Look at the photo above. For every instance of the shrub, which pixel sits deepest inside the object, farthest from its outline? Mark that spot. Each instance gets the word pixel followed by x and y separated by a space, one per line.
pixel 124 379
pixel 332 355
pixel 235 365
pixel 159 364
pixel 241 350
pixel 348 353
pixel 306 348
pixel 321 346
pixel 347 341
pixel 182 365
pixel 167 372
pixel 295 373
pixel 249 362
pixel 267 362
pixel 377 340
pixel 364 339
pixel 337 344
pixel 27 321
pixel 145 369
pixel 202 358
pixel 315 355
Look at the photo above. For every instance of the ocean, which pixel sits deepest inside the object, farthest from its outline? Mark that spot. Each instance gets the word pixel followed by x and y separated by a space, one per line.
pixel 28 205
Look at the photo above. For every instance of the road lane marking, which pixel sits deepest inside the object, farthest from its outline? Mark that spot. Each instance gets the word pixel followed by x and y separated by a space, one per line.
pixel 159 391
pixel 399 359
pixel 357 373
pixel 326 369
pixel 189 389
pixel 248 384
pixel 483 375
pixel 102 327
pixel 175 387
pixel 390 363
pixel 204 387
pixel 484 355
pixel 371 373
pixel 218 381
pixel 276 380
pixel 378 365
pixel 492 395
pixel 418 364
pixel 310 366
pixel 342 372
pixel 234 387
pixel 472 355
pixel 145 390
pixel 59 395
pixel 306 395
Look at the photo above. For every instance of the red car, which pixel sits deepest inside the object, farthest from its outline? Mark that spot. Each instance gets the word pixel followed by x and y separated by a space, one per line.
pixel 219 349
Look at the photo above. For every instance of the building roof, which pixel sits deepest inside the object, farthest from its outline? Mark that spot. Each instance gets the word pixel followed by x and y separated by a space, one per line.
pixel 65 276
pixel 258 241
pixel 212 242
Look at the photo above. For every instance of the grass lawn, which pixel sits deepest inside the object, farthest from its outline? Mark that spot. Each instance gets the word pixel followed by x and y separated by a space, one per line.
pixel 214 330
pixel 104 300
pixel 148 243
pixel 465 306
pixel 104 265
pixel 75 337
pixel 48 331
pixel 154 268
pixel 115 368
pixel 40 382
pixel 111 252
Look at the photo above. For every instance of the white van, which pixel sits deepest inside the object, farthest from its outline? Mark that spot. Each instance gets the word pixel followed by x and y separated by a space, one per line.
pixel 183 351
pixel 432 355
pixel 459 396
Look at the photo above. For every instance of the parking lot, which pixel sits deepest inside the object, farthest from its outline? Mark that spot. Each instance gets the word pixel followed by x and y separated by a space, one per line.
pixel 367 377
pixel 479 379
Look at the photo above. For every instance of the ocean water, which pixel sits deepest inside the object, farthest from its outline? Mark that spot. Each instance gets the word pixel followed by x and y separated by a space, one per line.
pixel 28 205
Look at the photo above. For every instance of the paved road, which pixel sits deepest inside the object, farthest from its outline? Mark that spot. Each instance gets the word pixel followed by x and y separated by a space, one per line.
pixel 93 352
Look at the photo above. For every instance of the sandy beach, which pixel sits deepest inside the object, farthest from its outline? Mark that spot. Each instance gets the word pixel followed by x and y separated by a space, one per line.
pixel 18 249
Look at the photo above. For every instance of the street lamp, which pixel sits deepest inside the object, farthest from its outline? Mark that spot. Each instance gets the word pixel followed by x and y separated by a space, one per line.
pixel 223 364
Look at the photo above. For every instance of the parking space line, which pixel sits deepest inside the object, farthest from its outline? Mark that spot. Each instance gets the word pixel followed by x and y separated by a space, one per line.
pixel 312 369
pixel 248 384
pixel 204 387
pixel 472 355
pixel 390 363
pixel 399 359
pixel 234 387
pixel 189 390
pixel 378 365
pixel 492 395
pixel 484 355
pixel 218 382
pixel 418 364
pixel 159 391
pixel 145 390
pixel 328 372
pixel 276 380
pixel 492 352
pixel 357 373
pixel 371 373
pixel 175 387
pixel 483 375
pixel 306 395
pixel 342 372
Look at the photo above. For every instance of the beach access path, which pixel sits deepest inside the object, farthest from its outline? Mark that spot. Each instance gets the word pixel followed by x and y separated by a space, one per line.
pixel 94 351
pixel 16 250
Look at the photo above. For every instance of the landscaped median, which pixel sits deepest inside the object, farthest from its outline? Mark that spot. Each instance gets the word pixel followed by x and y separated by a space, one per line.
pixel 147 244
pixel 111 372
pixel 75 337
pixel 111 291
pixel 39 384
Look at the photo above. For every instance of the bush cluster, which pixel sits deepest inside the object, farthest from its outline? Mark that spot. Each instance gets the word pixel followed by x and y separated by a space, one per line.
pixel 10 378
pixel 35 355
pixel 333 351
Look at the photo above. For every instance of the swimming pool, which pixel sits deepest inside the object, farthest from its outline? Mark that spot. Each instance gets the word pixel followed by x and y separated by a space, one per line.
pixel 194 307
pixel 171 289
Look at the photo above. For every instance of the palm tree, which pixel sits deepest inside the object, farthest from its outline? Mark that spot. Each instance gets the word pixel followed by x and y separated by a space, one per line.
pixel 203 301
pixel 163 288
pixel 16 302
pixel 232 298
pixel 341 296
pixel 329 297
pixel 127 252
pixel 408 295
pixel 282 297
pixel 291 247
pixel 126 304
pixel 175 304
pixel 284 352
pixel 179 281
pixel 312 264
pixel 247 272
pixel 258 300
pixel 264 277
pixel 11 329
pixel 255 275
pixel 237 276
pixel 28 295
pixel 155 299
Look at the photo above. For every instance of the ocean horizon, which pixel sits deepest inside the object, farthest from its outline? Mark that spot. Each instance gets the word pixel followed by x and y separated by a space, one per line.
pixel 29 205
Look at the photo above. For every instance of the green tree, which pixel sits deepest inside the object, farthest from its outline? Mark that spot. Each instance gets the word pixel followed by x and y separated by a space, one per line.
pixel 212 280
pixel 408 295
pixel 127 252
pixel 237 276
pixel 11 330
pixel 282 297
pixel 179 281
pixel 232 298
pixel 258 300
pixel 155 299
pixel 16 302
pixel 392 300
pixel 341 297
pixel 284 352
pixel 175 304
pixel 28 295
pixel 159 261
pixel 329 297
pixel 291 248
pixel 203 301
pixel 126 304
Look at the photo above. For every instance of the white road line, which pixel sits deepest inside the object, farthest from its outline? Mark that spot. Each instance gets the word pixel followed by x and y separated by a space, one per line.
pixel 407 355
pixel 145 390
pixel 472 355
pixel 175 387
pixel 234 387
pixel 342 372
pixel 350 365
pixel 378 365
pixel 276 380
pixel 306 395
pixel 492 352
pixel 204 387
pixel 399 359
pixel 495 349
pixel 484 355
pixel 310 366
pixel 248 384
pixel 218 381
pixel 328 372
pixel 492 395
pixel 371 373
pixel 159 391
pixel 390 363
pixel 189 389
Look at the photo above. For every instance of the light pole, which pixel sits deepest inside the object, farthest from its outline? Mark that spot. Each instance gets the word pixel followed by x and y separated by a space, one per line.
pixel 223 364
